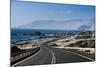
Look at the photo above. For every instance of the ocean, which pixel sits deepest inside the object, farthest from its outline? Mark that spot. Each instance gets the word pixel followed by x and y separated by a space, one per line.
pixel 23 34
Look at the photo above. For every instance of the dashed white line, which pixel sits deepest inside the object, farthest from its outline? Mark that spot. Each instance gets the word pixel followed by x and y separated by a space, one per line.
pixel 53 58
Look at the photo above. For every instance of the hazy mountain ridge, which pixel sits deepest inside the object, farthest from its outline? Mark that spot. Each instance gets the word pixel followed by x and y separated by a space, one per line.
pixel 90 26
pixel 53 24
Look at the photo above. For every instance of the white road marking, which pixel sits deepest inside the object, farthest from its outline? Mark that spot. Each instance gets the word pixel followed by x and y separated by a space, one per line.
pixel 53 58
pixel 81 56
pixel 25 59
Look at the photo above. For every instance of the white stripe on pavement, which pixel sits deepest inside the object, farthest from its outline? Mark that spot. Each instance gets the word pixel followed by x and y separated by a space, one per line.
pixel 53 58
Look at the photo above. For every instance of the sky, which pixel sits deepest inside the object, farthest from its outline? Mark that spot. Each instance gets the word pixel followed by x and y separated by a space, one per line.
pixel 37 15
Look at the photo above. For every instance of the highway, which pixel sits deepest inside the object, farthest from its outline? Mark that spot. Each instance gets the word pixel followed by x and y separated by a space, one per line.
pixel 49 55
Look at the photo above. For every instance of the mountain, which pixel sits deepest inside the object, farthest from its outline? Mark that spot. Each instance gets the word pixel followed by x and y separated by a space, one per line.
pixel 89 26
pixel 84 27
pixel 39 24
pixel 76 24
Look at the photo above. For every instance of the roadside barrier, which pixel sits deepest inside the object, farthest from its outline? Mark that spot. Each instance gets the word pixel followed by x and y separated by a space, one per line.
pixel 23 54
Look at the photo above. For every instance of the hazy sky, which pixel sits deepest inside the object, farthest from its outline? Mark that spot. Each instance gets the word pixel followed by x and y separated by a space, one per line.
pixel 27 12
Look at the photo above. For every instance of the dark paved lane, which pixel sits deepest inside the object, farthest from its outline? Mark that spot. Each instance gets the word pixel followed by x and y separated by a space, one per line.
pixel 44 56
pixel 48 55
pixel 64 56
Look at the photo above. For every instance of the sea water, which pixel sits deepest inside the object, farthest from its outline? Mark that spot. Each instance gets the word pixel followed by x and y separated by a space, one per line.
pixel 20 34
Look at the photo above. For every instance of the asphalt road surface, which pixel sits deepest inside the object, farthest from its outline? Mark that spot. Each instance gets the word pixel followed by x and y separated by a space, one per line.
pixel 48 55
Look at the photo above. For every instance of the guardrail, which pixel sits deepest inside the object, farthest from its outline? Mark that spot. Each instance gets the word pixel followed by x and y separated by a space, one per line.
pixel 22 55
pixel 89 50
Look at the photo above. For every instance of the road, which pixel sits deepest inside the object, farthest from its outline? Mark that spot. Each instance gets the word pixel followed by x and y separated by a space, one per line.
pixel 48 55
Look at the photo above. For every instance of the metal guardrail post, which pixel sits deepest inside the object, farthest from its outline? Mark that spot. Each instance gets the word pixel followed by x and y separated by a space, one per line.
pixel 22 55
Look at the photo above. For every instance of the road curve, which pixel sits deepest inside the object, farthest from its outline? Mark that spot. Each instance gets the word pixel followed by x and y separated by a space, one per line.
pixel 48 55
